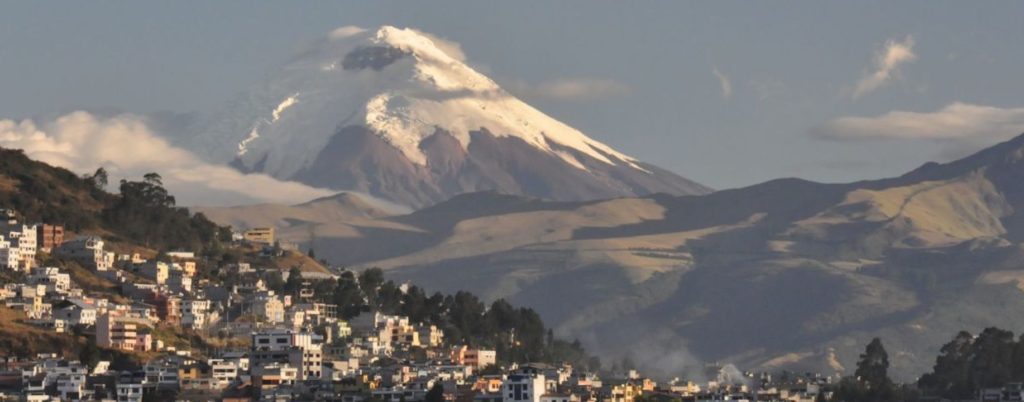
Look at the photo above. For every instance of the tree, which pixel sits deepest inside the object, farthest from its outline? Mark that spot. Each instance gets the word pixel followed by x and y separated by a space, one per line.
pixel 949 376
pixel 348 296
pixel 294 282
pixel 436 393
pixel 153 178
pixel 97 179
pixel 370 281
pixel 873 366
pixel 870 382
pixel 992 365
pixel 274 281
pixel 89 355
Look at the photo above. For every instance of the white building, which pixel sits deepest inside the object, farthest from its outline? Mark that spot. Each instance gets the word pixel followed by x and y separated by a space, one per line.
pixel 75 312
pixel 299 349
pixel 88 251
pixel 22 238
pixel 9 256
pixel 155 270
pixel 523 386
pixel 224 371
pixel 195 313
pixel 269 307
pixel 51 277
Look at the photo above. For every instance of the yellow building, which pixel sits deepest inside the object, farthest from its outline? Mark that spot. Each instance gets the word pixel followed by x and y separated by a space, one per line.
pixel 259 235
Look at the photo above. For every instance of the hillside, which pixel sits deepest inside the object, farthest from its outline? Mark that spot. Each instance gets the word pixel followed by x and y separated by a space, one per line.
pixel 787 273
pixel 141 213
pixel 41 192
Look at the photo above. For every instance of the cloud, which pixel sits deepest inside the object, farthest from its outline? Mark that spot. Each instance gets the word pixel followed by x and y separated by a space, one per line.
pixel 451 48
pixel 127 148
pixel 345 32
pixel 955 122
pixel 886 65
pixel 724 82
pixel 570 89
pixel 961 128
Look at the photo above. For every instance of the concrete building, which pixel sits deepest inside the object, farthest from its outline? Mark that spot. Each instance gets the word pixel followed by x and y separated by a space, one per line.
pixel 478 358
pixel 55 281
pixel 9 256
pixel 259 235
pixel 23 237
pixel 49 236
pixel 114 333
pixel 88 251
pixel 268 307
pixel 155 270
pixel 523 386
pixel 195 313
pixel 75 312
pixel 299 349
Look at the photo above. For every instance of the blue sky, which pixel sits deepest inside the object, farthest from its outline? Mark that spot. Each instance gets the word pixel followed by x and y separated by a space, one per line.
pixel 726 93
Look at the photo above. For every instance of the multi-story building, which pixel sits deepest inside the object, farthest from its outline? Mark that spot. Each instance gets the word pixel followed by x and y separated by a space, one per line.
pixel 259 235
pixel 167 306
pixel 268 307
pixel 224 371
pixel 298 349
pixel 87 250
pixel 115 333
pixel 22 237
pixel 275 375
pixel 195 313
pixel 67 378
pixel 478 358
pixel 54 280
pixel 75 312
pixel 10 257
pixel 156 270
pixel 49 236
pixel 430 336
pixel 523 386
pixel 179 281
pixel 130 386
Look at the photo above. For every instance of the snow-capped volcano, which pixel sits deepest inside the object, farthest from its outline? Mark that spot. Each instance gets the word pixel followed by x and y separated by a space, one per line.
pixel 392 113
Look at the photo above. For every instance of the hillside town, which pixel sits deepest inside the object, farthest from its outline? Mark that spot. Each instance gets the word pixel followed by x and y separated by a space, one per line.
pixel 276 347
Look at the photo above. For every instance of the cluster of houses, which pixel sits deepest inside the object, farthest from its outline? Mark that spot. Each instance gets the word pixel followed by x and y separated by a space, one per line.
pixel 285 365
pixel 287 347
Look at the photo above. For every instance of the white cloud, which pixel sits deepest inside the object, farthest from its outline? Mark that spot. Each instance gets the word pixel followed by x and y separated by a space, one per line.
pixel 955 122
pixel 451 48
pixel 723 82
pixel 127 148
pixel 570 89
pixel 345 32
pixel 886 65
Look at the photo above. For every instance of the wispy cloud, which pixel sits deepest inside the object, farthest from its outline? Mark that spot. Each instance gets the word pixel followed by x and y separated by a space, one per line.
pixel 723 82
pixel 886 65
pixel 127 148
pixel 345 32
pixel 956 121
pixel 452 48
pixel 570 89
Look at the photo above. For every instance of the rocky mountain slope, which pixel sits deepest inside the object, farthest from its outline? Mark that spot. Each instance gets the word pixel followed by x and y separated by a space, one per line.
pixel 787 273
pixel 392 113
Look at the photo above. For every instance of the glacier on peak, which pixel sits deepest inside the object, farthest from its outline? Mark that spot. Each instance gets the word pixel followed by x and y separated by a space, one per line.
pixel 397 82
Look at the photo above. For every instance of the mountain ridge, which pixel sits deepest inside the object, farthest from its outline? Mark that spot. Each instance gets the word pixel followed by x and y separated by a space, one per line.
pixel 788 273
pixel 388 112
